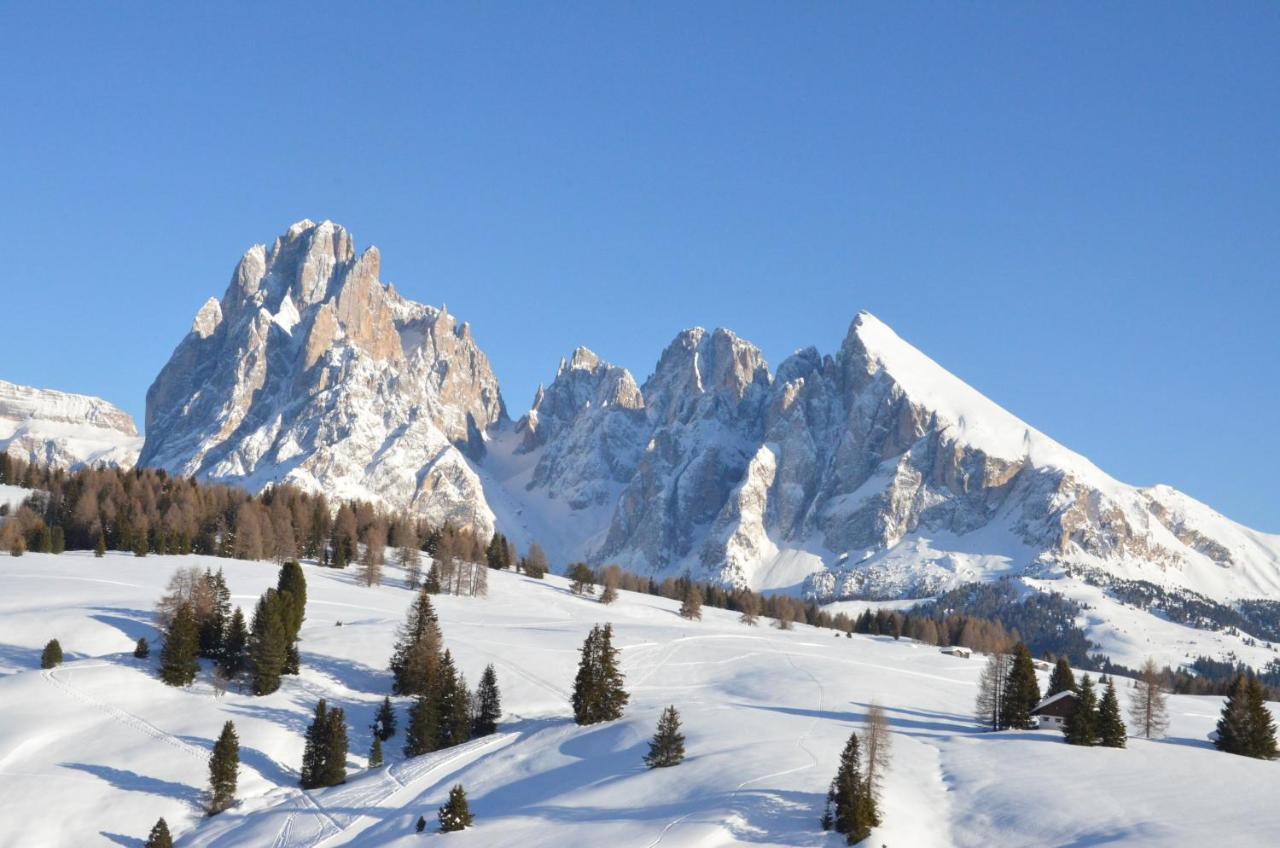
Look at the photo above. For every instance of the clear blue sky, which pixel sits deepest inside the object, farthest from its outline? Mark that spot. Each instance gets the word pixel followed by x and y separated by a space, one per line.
pixel 1075 210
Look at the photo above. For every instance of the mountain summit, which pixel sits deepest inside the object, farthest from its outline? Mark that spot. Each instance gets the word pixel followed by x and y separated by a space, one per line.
pixel 871 472
pixel 310 370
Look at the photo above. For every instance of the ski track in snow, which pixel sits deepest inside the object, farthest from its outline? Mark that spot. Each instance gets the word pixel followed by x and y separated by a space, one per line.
pixel 123 716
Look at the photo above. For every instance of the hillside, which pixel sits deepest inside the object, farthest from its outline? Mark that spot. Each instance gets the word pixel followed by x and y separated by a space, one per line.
pixel 765 712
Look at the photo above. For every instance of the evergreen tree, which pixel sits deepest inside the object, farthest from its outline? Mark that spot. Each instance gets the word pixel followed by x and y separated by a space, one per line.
pixel 750 606
pixel 384 724
pixel 1246 727
pixel 100 550
pixel 58 540
pixel 292 588
pixel 431 585
pixel 609 593
pixel 313 753
pixel 582 579
pixel 44 541
pixel 375 752
pixel 159 836
pixel 422 730
pixel 235 646
pixel 224 765
pixel 1111 730
pixel 212 625
pixel 178 664
pixel 851 809
pixel 667 746
pixel 417 648
pixel 140 544
pixel 597 690
pixel 691 603
pixel 1021 691
pixel 455 815
pixel 1062 679
pixel 142 649
pixel 1081 726
pixel 268 644
pixel 334 771
pixel 51 656
pixel 422 824
pixel 488 704
pixel 451 695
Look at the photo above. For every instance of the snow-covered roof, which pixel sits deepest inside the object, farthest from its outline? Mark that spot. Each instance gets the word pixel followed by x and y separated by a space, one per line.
pixel 1053 699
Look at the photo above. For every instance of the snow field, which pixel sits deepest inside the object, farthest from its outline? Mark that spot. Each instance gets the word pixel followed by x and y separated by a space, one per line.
pixel 94 751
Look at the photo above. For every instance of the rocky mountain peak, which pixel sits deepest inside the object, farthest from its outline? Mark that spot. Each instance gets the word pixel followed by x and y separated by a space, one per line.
pixel 63 429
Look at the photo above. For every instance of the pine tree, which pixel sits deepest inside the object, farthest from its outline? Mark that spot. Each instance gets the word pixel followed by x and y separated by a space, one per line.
pixel 178 664
pixel 488 704
pixel 313 753
pixel 159 836
pixel 375 752
pixel 1111 730
pixel 851 809
pixel 667 746
pixel 597 690
pixel 691 603
pixel 421 825
pixel 334 771
pixel 1148 706
pixel 609 593
pixel 451 695
pixel 1246 726
pixel 235 646
pixel 268 644
pixel 142 649
pixel 422 730
pixel 99 551
pixel 57 540
pixel 51 656
pixel 750 606
pixel 455 815
pixel 140 544
pixel 224 765
pixel 1081 726
pixel 417 648
pixel 1062 679
pixel 384 724
pixel 212 626
pixel 582 579
pixel 1021 691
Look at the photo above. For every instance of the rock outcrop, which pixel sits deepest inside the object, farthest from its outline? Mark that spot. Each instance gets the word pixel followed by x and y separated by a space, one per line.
pixel 312 371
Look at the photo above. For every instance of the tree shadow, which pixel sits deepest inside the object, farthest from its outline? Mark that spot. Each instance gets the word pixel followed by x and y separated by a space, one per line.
pixel 134 624
pixel 121 839
pixel 133 782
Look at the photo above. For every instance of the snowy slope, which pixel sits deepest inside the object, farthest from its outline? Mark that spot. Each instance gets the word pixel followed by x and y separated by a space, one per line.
pixel 765 714
pixel 66 430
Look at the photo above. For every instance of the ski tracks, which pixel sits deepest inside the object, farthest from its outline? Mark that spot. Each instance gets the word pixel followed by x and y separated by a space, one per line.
pixel 124 716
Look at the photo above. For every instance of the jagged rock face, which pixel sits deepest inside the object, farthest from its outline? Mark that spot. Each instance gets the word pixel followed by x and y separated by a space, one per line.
pixel 311 371
pixel 65 430
pixel 871 472
pixel 885 475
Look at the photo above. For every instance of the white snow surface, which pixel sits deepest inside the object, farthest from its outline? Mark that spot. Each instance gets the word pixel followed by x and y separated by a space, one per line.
pixel 765 713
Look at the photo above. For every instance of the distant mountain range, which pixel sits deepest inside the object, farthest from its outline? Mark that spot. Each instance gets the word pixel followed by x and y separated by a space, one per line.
pixel 871 472
pixel 868 473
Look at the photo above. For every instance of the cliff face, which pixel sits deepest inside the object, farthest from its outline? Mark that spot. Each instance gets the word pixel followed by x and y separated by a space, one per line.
pixel 310 370
pixel 66 430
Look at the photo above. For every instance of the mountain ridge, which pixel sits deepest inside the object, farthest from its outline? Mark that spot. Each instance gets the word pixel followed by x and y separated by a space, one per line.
pixel 869 472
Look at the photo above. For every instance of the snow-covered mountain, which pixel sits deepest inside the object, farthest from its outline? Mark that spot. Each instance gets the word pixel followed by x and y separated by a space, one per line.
pixel 869 473
pixel 310 370
pixel 66 430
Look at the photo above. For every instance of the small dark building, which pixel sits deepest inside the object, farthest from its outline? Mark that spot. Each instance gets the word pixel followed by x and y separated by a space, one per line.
pixel 1053 711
